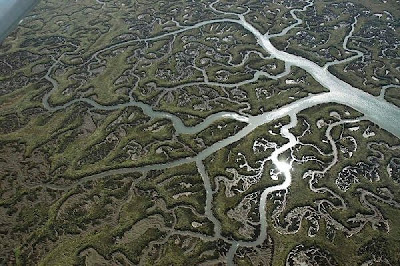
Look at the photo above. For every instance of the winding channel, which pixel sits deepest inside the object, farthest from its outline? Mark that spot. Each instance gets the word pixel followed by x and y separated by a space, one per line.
pixel 375 109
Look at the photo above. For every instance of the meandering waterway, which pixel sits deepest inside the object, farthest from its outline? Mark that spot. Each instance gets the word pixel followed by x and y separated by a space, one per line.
pixel 375 109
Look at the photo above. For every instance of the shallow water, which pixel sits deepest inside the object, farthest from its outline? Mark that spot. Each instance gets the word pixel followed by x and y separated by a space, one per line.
pixel 11 13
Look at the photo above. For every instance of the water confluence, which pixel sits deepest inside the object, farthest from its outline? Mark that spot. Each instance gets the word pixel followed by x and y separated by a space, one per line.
pixel 382 113
pixel 375 109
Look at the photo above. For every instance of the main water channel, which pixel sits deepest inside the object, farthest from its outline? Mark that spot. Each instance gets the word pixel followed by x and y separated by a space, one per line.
pixel 375 109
